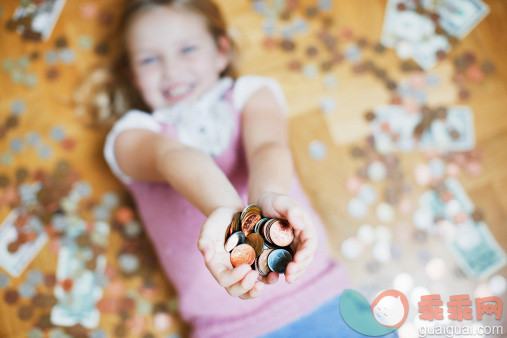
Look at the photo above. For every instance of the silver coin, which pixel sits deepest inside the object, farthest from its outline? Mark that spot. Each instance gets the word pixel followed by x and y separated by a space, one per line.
pixel 26 290
pixel 317 150
pixel 278 260
pixel 128 262
pixel 35 277
pixel 234 240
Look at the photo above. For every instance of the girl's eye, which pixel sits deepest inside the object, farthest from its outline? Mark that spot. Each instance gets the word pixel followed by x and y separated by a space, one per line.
pixel 149 60
pixel 188 49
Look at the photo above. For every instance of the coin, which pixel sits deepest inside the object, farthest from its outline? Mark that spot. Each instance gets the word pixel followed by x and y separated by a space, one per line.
pixel 242 254
pixel 259 225
pixel 255 241
pixel 235 223
pixel 262 262
pixel 281 233
pixel 45 321
pixel 234 240
pixel 25 312
pixel 278 260
pixel 249 217
pixel 11 296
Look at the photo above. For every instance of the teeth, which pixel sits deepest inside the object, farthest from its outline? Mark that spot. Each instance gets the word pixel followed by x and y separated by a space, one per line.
pixel 179 91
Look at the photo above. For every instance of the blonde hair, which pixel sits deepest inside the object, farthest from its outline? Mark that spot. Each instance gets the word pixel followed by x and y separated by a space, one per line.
pixel 108 91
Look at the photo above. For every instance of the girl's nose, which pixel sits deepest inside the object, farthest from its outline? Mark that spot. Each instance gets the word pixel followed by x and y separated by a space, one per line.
pixel 173 69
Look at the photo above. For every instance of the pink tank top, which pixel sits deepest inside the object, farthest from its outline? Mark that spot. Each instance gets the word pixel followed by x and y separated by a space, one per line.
pixel 173 225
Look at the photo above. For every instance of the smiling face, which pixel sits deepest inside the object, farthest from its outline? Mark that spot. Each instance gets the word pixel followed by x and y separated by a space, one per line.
pixel 173 56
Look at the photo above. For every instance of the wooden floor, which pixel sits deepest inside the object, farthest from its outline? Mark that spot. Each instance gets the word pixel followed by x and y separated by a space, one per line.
pixel 49 104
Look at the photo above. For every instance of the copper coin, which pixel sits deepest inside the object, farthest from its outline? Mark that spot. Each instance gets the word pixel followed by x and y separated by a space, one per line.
pixel 242 254
pixel 45 321
pixel 288 45
pixel 249 217
pixel 256 242
pixel 234 240
pixel 227 232
pixel 278 260
pixel 477 215
pixel 25 312
pixel 488 67
pixel 369 116
pixel 77 331
pixel 281 233
pixel 265 230
pixel 262 263
pixel 11 296
pixel 50 280
pixel 120 330
pixel 258 226
pixel 127 304
pixel 38 300
pixel 235 223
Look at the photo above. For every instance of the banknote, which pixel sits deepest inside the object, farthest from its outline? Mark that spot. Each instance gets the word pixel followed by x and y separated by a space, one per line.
pixel 455 133
pixel 415 33
pixel 76 305
pixel 16 262
pixel 458 17
pixel 36 19
pixel 393 130
pixel 473 246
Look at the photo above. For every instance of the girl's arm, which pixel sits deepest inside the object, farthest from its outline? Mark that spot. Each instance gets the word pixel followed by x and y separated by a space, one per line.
pixel 148 156
pixel 271 172
pixel 266 143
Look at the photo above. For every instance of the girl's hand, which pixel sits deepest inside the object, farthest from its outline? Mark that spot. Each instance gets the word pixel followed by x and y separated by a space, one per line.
pixel 241 281
pixel 275 205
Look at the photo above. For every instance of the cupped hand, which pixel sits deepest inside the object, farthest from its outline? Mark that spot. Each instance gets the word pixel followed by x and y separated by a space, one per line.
pixel 275 205
pixel 240 281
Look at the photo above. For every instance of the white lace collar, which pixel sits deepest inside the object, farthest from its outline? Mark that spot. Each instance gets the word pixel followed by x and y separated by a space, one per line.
pixel 206 124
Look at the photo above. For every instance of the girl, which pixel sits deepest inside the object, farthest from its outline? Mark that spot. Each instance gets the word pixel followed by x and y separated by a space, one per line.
pixel 211 145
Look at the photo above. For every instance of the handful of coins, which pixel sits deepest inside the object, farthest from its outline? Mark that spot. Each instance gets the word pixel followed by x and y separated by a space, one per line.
pixel 260 242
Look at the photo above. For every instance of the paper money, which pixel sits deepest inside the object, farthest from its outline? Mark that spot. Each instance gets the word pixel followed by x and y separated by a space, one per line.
pixel 394 130
pixel 422 32
pixel 458 17
pixel 36 19
pixel 473 246
pixel 455 133
pixel 76 303
pixel 15 263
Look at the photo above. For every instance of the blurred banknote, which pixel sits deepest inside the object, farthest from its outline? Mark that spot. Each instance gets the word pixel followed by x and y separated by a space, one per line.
pixel 16 262
pixel 78 288
pixel 458 17
pixel 394 130
pixel 473 246
pixel 422 31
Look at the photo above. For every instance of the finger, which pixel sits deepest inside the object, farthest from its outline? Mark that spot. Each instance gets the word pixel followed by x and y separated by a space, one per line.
pixel 227 277
pixel 294 271
pixel 207 248
pixel 305 249
pixel 291 279
pixel 244 285
pixel 255 292
pixel 271 278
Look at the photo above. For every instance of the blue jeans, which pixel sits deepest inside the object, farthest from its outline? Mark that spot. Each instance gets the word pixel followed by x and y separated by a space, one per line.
pixel 325 321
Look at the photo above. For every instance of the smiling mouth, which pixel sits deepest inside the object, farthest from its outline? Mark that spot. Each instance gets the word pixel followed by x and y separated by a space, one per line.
pixel 178 93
